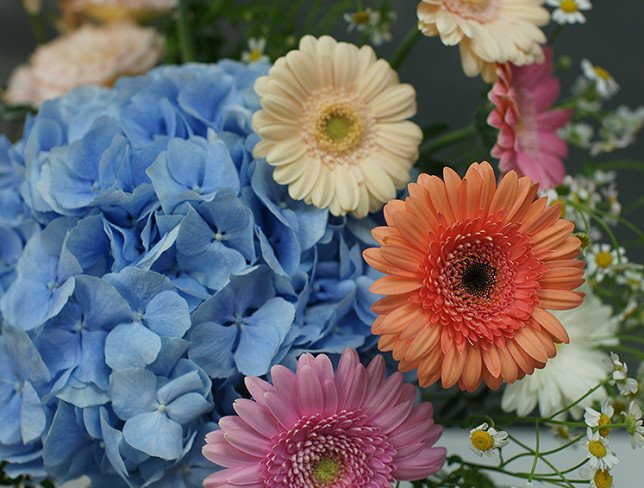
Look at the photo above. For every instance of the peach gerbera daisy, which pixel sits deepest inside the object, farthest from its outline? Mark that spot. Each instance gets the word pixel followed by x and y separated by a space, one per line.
pixel 334 124
pixel 472 269
pixel 487 31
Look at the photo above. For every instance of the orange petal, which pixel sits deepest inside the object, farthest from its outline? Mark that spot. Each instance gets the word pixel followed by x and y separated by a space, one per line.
pixel 492 360
pixel 550 323
pixel 395 285
pixel 471 377
pixel 559 299
pixel 530 343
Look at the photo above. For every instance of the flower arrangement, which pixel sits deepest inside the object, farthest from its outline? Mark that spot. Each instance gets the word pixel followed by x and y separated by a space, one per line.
pixel 265 273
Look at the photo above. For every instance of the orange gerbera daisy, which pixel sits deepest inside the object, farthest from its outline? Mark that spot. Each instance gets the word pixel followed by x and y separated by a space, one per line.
pixel 472 269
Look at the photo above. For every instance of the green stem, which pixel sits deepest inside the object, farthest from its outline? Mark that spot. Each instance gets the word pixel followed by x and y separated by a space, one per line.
pixel 555 34
pixel 184 33
pixel 446 140
pixel 536 451
pixel 580 399
pixel 405 47
pixel 37 28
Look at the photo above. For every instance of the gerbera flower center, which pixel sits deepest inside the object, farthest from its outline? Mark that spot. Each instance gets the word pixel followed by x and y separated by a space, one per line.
pixel 343 450
pixel 603 479
pixel 478 279
pixel 604 259
pixel 597 449
pixel 569 6
pixel 481 10
pixel 339 128
pixel 604 420
pixel 326 470
pixel 482 440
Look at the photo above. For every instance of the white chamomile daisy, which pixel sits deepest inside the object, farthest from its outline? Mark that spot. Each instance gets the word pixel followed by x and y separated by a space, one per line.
pixel 600 419
pixel 569 11
pixel 255 53
pixel 603 260
pixel 600 456
pixel 625 385
pixel 362 20
pixel 599 478
pixel 634 427
pixel 604 83
pixel 484 439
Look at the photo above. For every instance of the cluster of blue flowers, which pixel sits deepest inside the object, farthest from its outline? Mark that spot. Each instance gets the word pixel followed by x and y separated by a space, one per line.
pixel 147 263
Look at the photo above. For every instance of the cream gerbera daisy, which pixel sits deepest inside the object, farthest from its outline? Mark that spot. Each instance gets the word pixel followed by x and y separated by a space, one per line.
pixel 334 124
pixel 487 31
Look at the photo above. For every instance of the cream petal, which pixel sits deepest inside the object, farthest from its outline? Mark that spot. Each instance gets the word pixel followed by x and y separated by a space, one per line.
pixel 281 107
pixel 346 188
pixel 397 102
pixel 286 152
pixel 378 77
pixel 303 70
pixel 322 192
pixel 377 181
pixel 345 64
pixel 301 188
pixel 290 172
pixel 278 132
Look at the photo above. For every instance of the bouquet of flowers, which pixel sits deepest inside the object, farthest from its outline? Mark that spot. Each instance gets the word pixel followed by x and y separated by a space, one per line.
pixel 249 267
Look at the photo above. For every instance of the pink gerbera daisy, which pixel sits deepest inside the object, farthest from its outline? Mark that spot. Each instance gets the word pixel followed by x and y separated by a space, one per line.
pixel 528 140
pixel 314 428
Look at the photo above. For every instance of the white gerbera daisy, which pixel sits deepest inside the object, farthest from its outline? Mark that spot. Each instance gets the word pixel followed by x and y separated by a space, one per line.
pixel 577 367
pixel 569 11
pixel 484 439
pixel 334 124
pixel 604 83
pixel 601 458
pixel 487 31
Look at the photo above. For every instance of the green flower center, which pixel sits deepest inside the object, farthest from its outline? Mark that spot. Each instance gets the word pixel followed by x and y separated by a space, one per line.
pixel 326 470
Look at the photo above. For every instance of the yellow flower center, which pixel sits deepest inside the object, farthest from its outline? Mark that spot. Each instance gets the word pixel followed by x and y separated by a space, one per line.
pixel 603 479
pixel 562 430
pixel 569 6
pixel 482 440
pixel 604 420
pixel 339 129
pixel 601 72
pixel 326 470
pixel 255 54
pixel 361 18
pixel 604 259
pixel 597 449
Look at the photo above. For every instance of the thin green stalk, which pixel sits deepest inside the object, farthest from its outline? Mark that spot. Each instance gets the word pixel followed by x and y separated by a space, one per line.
pixel 184 33
pixel 580 399
pixel 536 451
pixel 405 47
pixel 446 140
pixel 555 34
pixel 36 26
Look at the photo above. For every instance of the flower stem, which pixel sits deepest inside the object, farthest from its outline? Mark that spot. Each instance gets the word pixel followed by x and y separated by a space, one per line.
pixel 576 402
pixel 405 47
pixel 184 33
pixel 446 140
pixel 36 26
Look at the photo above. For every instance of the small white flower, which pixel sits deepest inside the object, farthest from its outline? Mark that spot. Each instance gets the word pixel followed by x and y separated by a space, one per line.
pixel 599 478
pixel 601 458
pixel 569 11
pixel 362 20
pixel 625 385
pixel 579 134
pixel 634 427
pixel 381 33
pixel 604 83
pixel 255 53
pixel 484 439
pixel 596 419
pixel 603 260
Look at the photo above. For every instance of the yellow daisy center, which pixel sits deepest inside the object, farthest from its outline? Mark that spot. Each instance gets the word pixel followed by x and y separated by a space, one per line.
pixel 361 18
pixel 603 479
pixel 597 449
pixel 339 128
pixel 601 72
pixel 569 6
pixel 482 440
pixel 255 54
pixel 604 420
pixel 604 259
pixel 563 431
pixel 326 470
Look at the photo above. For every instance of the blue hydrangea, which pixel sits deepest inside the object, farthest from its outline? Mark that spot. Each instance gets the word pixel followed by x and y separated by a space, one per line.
pixel 147 263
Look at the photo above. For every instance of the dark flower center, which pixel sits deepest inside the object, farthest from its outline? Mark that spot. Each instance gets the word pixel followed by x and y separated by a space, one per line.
pixel 478 278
